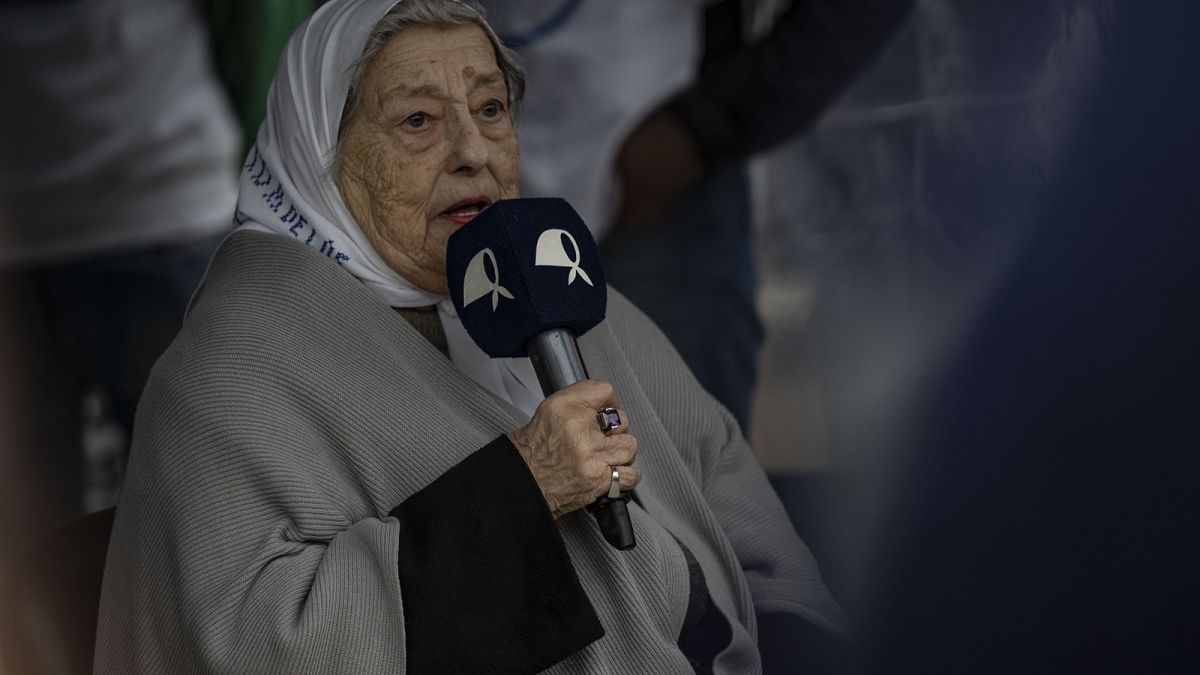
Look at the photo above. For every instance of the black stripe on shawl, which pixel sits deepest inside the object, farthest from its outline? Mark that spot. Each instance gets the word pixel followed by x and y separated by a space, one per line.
pixel 487 583
pixel 706 632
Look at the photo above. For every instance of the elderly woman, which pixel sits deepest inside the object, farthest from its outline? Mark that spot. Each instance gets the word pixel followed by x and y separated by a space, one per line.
pixel 327 474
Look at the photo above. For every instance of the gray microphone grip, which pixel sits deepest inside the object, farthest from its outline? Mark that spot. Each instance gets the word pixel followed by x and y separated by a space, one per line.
pixel 556 359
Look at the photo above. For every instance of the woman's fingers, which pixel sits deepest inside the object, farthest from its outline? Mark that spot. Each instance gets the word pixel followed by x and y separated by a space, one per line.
pixel 590 394
pixel 630 476
pixel 573 442
pixel 618 450
pixel 627 477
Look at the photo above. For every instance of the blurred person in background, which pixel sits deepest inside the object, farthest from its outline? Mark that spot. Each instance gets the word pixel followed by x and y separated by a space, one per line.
pixel 664 101
pixel 117 159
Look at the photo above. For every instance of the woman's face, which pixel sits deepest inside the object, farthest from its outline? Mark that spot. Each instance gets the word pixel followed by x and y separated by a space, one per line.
pixel 430 145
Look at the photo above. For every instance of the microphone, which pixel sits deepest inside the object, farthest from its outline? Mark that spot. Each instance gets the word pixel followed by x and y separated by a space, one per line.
pixel 525 278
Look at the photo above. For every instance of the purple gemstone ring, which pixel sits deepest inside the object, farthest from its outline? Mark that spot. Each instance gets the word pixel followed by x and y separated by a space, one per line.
pixel 609 419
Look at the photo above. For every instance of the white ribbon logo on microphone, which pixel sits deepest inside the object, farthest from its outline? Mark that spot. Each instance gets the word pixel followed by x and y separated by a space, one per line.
pixel 552 252
pixel 477 283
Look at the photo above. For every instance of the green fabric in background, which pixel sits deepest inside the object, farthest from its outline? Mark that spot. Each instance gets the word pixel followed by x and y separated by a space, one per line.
pixel 248 37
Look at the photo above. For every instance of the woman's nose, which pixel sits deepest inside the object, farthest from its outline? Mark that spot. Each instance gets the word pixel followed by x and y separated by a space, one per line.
pixel 469 149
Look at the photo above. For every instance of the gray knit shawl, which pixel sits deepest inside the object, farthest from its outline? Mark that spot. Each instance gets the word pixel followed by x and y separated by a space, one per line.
pixel 294 410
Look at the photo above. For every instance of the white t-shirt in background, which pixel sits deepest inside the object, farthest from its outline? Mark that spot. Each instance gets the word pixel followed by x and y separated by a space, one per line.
pixel 592 78
pixel 114 132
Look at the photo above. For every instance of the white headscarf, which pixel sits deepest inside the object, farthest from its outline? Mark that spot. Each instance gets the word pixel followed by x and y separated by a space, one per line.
pixel 286 186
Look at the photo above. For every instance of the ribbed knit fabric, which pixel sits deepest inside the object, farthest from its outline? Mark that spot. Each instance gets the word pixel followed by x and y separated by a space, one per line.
pixel 295 410
pixel 427 323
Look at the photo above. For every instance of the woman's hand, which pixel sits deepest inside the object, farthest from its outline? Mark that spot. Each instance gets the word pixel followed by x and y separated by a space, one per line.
pixel 568 453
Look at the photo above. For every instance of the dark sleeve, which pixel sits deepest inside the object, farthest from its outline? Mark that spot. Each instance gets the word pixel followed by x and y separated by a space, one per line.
pixel 748 98
pixel 487 582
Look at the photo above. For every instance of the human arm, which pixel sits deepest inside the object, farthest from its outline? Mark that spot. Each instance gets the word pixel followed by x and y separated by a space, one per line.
pixel 749 97
pixel 478 554
pixel 800 625
pixel 255 541
pixel 480 542
pixel 782 575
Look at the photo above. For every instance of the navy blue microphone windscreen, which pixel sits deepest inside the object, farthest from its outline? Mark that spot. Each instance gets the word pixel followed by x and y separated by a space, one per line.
pixel 521 268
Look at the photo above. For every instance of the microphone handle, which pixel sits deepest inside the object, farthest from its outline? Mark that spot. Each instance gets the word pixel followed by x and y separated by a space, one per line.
pixel 556 359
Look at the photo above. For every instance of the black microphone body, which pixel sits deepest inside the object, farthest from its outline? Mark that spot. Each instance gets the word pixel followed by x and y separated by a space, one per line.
pixel 558 363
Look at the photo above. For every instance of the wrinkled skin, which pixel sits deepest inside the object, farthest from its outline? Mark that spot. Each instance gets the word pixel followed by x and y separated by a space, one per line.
pixel 569 455
pixel 433 129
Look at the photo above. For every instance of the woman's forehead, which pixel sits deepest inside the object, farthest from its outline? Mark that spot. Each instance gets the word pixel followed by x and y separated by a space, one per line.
pixel 417 53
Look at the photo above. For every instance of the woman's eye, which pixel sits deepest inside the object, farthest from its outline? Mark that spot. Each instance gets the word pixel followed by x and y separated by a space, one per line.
pixel 492 109
pixel 416 120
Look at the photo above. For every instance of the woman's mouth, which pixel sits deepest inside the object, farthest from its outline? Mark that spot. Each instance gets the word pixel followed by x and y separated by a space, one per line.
pixel 464 211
